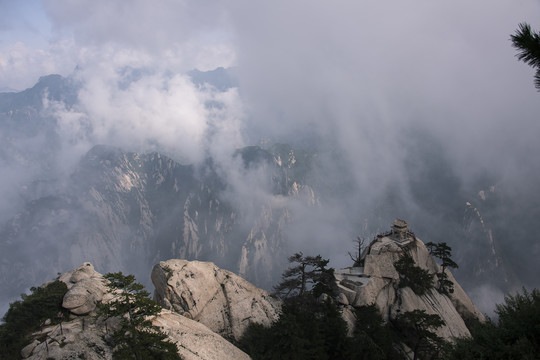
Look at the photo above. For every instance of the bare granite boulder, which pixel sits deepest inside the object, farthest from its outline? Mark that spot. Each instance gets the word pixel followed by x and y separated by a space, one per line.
pixel 219 299
pixel 86 288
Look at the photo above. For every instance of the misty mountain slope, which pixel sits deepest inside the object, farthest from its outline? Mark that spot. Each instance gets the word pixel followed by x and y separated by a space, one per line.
pixel 23 118
pixel 246 211
pixel 127 211
pixel 30 143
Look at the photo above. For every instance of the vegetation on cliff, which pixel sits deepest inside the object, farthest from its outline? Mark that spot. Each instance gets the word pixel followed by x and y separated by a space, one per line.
pixel 136 337
pixel 28 314
pixel 413 276
pixel 515 335
pixel 311 325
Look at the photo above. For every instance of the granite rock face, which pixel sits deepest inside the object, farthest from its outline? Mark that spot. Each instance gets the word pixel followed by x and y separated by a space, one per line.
pixel 377 282
pixel 217 298
pixel 86 288
pixel 194 340
pixel 82 335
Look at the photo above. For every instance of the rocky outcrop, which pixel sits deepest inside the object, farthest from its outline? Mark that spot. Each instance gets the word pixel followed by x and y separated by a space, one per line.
pixel 86 288
pixel 82 338
pixel 217 298
pixel 78 338
pixel 83 335
pixel 377 282
pixel 196 341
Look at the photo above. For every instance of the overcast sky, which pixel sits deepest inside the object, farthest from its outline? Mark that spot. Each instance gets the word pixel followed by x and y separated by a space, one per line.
pixel 353 69
pixel 360 74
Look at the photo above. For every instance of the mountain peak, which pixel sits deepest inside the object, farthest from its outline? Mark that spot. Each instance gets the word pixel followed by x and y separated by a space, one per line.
pixel 378 282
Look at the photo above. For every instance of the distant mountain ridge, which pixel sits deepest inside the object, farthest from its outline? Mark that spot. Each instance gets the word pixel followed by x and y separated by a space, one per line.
pixel 128 211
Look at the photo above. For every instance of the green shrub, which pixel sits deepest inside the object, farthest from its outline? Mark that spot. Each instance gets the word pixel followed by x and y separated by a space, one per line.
pixel 26 315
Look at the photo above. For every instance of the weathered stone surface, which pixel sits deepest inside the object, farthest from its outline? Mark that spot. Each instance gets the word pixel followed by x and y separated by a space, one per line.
pixel 196 341
pixel 28 349
pixel 87 288
pixel 79 338
pixel 85 271
pixel 382 287
pixel 221 300
pixel 433 303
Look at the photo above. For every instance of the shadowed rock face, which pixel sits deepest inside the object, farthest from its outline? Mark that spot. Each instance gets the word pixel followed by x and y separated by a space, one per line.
pixel 217 298
pixel 378 283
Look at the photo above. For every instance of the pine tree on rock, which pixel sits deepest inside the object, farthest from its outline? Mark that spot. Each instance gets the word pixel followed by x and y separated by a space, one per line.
pixel 416 328
pixel 443 252
pixel 136 338
pixel 413 276
pixel 308 277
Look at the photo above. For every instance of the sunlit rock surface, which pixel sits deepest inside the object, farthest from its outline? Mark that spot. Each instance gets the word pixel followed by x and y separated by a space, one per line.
pixel 86 288
pixel 221 300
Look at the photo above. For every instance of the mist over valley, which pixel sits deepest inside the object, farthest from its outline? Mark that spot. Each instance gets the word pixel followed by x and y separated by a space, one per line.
pixel 240 134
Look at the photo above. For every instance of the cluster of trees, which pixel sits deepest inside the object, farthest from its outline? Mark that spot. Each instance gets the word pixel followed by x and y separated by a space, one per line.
pixel 311 325
pixel 28 315
pixel 515 335
pixel 134 338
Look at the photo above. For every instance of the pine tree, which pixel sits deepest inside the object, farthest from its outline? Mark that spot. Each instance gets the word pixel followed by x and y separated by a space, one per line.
pixel 416 328
pixel 308 277
pixel 372 338
pixel 527 42
pixel 516 334
pixel 309 326
pixel 411 275
pixel 136 338
pixel 443 252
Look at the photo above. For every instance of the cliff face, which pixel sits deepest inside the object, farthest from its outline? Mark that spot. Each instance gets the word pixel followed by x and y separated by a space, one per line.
pixel 378 283
pixel 127 211
pixel 217 298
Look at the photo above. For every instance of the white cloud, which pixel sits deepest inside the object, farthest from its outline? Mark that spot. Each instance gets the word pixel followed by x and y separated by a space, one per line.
pixel 21 66
pixel 142 109
pixel 365 71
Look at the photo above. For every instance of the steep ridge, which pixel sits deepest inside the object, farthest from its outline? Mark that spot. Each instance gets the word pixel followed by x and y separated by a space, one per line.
pixel 378 282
